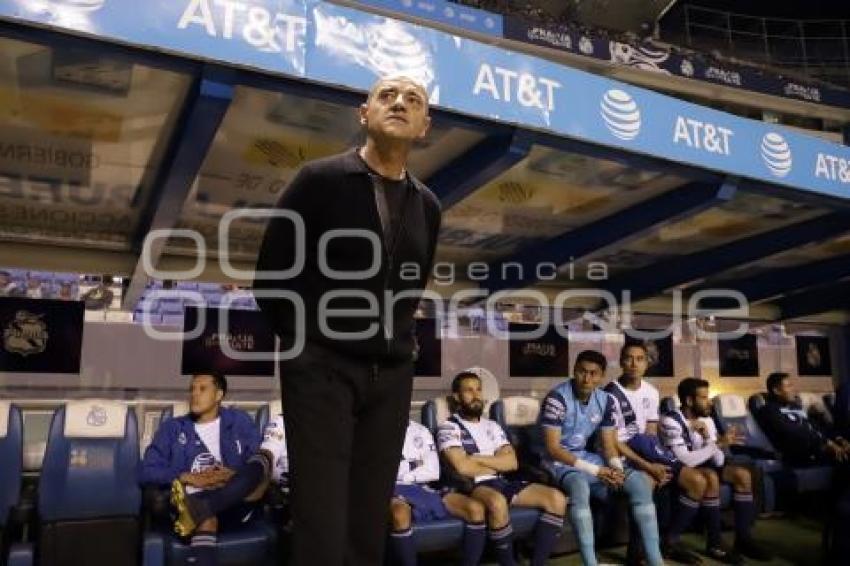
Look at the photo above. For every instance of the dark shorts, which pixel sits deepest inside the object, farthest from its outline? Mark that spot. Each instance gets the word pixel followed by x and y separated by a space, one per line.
pixel 425 503
pixel 508 488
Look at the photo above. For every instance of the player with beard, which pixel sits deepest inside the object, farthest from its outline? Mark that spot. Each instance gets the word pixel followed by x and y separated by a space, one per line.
pixel 414 499
pixel 477 448
pixel 692 436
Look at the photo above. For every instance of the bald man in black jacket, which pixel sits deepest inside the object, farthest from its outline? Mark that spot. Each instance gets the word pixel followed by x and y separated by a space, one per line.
pixel 369 233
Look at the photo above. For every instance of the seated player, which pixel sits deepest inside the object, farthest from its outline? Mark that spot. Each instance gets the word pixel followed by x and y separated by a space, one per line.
pixel 691 435
pixel 198 453
pixel 414 500
pixel 636 407
pixel 477 448
pixel 790 430
pixel 571 414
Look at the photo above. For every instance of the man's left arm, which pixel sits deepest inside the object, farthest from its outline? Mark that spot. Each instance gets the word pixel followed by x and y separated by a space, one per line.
pixel 504 460
pixel 430 469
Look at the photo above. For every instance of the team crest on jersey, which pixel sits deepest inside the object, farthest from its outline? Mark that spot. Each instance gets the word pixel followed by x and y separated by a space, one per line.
pixel 181 438
pixel 595 419
pixel 646 403
pixel 202 462
pixel 26 334
pixel 491 435
pixel 418 442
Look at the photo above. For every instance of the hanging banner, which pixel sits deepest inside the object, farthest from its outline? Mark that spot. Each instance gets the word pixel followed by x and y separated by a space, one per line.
pixel 813 355
pixel 247 333
pixel 547 356
pixel 40 335
pixel 739 357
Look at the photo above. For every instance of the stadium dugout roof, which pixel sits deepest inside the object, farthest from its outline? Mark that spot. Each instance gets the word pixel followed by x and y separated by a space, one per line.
pixel 119 120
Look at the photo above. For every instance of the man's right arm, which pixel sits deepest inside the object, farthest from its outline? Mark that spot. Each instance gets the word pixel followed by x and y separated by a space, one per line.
pixel 460 461
pixel 156 467
pixel 451 447
pixel 790 437
pixel 278 250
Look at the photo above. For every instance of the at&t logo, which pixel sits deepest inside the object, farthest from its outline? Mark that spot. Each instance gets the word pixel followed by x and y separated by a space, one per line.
pixel 621 114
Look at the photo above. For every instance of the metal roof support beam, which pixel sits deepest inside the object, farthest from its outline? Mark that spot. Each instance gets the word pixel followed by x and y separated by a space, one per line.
pixel 667 274
pixel 479 165
pixel 785 280
pixel 815 301
pixel 203 112
pixel 621 226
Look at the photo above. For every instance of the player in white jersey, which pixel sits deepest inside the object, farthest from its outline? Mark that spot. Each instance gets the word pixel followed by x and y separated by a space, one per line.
pixel 414 500
pixel 477 449
pixel 274 445
pixel 636 406
pixel 692 436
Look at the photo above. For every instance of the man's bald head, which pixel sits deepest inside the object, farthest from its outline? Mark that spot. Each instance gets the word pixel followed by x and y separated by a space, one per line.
pixel 397 109
pixel 399 80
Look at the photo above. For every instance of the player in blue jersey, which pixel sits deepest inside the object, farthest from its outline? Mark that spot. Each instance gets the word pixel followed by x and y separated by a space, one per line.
pixel 477 448
pixel 414 500
pixel 572 412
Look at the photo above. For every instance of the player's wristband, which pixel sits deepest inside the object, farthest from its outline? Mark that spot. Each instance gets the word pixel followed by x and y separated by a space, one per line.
pixel 617 463
pixel 587 467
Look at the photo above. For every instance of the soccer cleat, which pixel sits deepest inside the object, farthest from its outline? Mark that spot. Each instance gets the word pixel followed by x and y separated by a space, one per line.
pixel 185 524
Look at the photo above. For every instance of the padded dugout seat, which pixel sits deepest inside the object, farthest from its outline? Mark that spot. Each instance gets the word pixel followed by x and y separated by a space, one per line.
pixel 88 495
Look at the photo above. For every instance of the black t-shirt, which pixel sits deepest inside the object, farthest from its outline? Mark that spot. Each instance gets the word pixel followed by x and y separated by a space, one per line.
pixel 395 192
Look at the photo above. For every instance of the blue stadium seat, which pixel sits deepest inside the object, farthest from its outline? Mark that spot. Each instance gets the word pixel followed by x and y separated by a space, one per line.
pixel 794 480
pixel 12 456
pixel 667 405
pixel 829 403
pixel 731 410
pixel 518 417
pixel 266 412
pixel 11 470
pixel 254 543
pixel 89 499
pixel 178 409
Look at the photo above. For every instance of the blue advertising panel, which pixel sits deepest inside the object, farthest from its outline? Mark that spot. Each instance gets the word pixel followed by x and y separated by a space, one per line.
pixel 342 46
pixel 449 13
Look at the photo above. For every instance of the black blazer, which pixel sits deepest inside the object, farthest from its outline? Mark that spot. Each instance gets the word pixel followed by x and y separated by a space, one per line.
pixel 335 193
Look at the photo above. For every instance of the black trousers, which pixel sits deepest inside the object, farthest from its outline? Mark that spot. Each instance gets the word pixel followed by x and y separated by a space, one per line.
pixel 345 422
